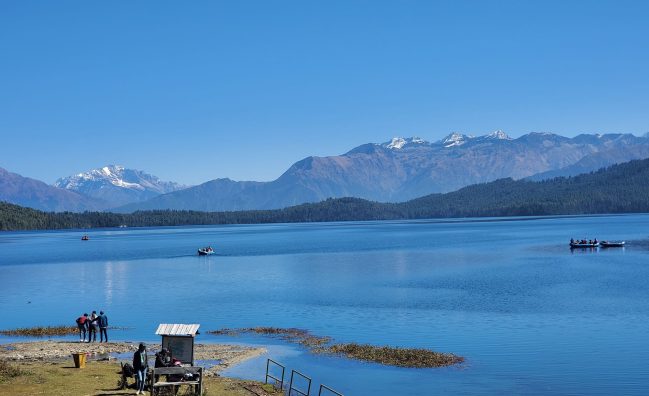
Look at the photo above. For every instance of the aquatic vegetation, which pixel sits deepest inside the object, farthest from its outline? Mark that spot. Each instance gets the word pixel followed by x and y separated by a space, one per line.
pixel 393 356
pixel 296 336
pixel 41 331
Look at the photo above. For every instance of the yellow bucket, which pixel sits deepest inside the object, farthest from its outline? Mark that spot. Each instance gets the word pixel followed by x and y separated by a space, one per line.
pixel 79 360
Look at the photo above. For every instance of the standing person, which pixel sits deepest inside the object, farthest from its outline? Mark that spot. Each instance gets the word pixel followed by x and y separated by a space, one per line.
pixel 141 365
pixel 93 326
pixel 103 326
pixel 82 324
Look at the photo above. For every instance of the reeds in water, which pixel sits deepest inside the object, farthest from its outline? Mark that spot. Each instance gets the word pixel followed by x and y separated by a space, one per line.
pixel 41 331
pixel 393 356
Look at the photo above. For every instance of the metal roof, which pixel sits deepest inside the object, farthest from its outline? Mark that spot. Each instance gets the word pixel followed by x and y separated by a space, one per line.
pixel 177 329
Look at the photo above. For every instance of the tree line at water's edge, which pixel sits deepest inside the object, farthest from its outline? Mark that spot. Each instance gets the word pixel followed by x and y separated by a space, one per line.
pixel 622 188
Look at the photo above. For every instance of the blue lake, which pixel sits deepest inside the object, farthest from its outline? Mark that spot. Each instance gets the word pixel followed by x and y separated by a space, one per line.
pixel 529 315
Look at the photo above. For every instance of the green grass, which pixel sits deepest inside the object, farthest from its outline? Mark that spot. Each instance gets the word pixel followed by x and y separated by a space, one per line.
pixel 10 371
pixel 100 378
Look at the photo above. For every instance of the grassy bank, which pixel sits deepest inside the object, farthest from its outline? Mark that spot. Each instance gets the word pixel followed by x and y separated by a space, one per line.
pixel 98 378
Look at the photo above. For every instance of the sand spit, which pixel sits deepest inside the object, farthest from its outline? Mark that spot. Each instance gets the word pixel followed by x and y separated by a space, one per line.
pixel 226 355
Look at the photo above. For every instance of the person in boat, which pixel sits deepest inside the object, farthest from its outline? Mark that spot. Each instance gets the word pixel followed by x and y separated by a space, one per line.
pixel 595 241
pixel 572 240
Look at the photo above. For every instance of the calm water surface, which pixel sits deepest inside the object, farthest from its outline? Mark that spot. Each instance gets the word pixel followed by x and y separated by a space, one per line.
pixel 529 315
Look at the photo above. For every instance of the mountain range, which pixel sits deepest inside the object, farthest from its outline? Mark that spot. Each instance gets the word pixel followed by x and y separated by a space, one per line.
pixel 33 193
pixel 394 171
pixel 621 188
pixel 117 185
pixel 406 168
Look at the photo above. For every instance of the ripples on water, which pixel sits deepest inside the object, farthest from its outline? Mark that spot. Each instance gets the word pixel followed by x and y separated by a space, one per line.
pixel 530 315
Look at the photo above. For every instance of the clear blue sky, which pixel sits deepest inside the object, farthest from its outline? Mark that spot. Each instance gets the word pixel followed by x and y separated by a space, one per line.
pixel 191 91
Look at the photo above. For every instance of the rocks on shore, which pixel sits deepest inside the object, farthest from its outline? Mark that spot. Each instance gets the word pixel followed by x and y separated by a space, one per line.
pixel 224 355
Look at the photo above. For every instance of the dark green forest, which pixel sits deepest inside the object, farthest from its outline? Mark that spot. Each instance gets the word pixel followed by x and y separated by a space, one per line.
pixel 622 188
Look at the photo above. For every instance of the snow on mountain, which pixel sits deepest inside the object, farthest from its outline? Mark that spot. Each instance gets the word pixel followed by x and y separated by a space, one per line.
pixel 397 143
pixel 117 185
pixel 405 168
pixel 455 139
pixel 500 135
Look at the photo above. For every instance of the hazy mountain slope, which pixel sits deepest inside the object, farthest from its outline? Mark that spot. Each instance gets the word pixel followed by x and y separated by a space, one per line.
pixel 222 193
pixel 604 158
pixel 35 194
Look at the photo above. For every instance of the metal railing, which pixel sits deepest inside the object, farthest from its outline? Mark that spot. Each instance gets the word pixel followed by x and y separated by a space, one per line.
pixel 291 389
pixel 269 375
pixel 329 390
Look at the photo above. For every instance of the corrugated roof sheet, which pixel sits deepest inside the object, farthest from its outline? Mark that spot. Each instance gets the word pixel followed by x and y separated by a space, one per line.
pixel 177 329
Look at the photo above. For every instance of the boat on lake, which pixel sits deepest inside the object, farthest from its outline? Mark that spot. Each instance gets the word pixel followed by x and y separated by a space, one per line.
pixel 606 244
pixel 85 238
pixel 206 251
pixel 577 245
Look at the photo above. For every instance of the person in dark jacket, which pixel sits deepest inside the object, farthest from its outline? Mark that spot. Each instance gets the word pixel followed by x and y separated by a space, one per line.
pixel 141 365
pixel 103 326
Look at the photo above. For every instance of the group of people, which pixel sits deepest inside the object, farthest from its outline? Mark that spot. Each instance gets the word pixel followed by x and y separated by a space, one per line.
pixel 584 241
pixel 141 365
pixel 90 324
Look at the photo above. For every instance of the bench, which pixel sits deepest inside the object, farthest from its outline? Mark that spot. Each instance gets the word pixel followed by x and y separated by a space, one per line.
pixel 197 384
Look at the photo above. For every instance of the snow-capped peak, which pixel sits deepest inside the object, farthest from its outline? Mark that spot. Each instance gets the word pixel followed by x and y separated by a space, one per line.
pixel 455 139
pixel 397 143
pixel 500 135
pixel 117 176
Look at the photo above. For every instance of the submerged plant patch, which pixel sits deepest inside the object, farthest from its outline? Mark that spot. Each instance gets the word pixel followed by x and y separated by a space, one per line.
pixel 392 356
pixel 41 331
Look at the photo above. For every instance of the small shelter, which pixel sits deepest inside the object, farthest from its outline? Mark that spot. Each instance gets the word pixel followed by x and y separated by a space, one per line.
pixel 179 339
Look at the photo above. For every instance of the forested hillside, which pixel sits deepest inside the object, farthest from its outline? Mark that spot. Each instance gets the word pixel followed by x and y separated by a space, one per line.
pixel 621 188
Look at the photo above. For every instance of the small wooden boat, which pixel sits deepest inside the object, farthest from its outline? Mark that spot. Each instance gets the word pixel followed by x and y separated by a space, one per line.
pixel 206 251
pixel 575 245
pixel 606 244
pixel 85 238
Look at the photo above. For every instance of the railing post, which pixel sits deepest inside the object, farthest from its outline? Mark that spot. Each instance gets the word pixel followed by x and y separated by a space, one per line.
pixel 281 381
pixel 323 386
pixel 290 388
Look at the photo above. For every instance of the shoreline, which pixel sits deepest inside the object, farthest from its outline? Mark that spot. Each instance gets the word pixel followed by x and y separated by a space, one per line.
pixel 223 355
